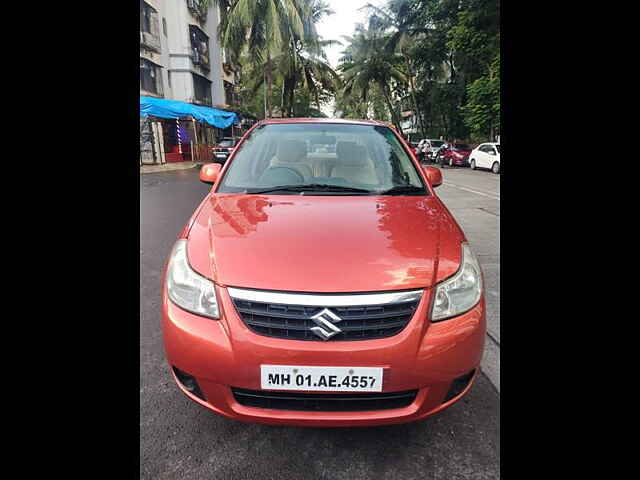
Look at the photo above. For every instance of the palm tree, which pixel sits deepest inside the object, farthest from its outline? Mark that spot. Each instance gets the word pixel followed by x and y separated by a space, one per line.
pixel 306 65
pixel 366 62
pixel 278 38
pixel 305 62
pixel 263 28
pixel 401 18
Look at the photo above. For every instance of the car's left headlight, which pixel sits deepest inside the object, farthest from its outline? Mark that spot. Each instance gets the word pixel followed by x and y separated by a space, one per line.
pixel 461 292
pixel 188 289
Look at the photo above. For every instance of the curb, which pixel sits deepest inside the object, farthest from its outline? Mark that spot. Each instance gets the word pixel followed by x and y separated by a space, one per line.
pixel 167 167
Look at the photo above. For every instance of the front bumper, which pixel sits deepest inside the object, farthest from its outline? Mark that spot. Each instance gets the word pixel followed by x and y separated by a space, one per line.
pixel 221 354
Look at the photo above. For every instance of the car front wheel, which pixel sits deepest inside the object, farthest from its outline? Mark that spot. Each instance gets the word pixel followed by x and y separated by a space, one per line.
pixel 473 164
pixel 495 168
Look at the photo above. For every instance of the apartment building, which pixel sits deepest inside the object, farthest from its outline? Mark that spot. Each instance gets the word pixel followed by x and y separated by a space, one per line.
pixel 180 55
pixel 181 59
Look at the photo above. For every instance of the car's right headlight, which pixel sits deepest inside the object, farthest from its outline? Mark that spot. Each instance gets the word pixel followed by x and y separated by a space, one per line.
pixel 461 292
pixel 188 289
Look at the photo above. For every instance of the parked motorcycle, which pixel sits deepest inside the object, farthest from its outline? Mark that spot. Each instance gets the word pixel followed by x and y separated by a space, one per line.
pixel 438 156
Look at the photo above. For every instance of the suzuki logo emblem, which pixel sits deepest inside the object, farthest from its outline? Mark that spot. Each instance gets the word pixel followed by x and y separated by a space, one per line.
pixel 325 321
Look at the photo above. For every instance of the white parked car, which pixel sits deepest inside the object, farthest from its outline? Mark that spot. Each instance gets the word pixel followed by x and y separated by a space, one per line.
pixel 486 155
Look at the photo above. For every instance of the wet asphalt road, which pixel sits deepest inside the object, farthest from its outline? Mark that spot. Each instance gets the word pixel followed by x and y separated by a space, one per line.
pixel 181 440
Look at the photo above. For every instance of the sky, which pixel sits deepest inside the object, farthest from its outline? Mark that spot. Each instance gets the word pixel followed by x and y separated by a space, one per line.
pixel 342 22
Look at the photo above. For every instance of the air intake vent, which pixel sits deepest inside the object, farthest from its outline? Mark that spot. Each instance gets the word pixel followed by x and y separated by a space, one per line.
pixel 325 402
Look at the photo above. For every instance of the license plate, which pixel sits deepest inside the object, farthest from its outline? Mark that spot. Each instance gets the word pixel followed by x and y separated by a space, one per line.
pixel 321 379
pixel 220 155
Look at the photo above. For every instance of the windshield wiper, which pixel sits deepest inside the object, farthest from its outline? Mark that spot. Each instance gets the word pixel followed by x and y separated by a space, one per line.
pixel 399 189
pixel 311 187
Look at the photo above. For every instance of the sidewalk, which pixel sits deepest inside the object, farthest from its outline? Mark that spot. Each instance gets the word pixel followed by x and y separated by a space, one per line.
pixel 167 167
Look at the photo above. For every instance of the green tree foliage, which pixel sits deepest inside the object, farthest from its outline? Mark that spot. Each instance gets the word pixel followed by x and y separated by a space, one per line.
pixel 275 42
pixel 476 40
pixel 482 110
pixel 448 57
pixel 367 62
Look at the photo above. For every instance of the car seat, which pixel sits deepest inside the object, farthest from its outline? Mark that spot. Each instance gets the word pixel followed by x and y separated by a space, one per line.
pixel 353 164
pixel 290 154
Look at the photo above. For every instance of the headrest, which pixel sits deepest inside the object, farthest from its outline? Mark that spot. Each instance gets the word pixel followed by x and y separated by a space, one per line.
pixel 291 151
pixel 350 154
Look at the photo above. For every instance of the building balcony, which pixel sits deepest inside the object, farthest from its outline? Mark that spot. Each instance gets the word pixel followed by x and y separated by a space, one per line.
pixel 200 59
pixel 150 41
pixel 198 11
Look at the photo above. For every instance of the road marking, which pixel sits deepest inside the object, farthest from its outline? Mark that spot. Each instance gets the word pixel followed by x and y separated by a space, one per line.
pixel 489 212
pixel 477 192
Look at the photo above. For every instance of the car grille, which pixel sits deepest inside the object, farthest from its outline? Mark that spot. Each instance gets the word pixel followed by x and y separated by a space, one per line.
pixel 325 402
pixel 294 321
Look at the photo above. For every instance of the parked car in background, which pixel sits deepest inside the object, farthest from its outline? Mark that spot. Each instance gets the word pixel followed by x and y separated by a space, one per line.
pixel 430 149
pixel 223 149
pixel 486 155
pixel 277 307
pixel 455 155
pixel 419 149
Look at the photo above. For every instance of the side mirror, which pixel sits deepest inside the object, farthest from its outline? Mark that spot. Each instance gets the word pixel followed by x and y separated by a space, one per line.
pixel 209 172
pixel 434 175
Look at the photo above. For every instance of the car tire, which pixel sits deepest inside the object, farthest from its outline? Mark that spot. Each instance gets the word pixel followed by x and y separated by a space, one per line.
pixel 451 162
pixel 472 165
pixel 495 168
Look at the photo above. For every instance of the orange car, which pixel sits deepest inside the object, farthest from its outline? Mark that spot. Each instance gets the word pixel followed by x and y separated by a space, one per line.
pixel 326 288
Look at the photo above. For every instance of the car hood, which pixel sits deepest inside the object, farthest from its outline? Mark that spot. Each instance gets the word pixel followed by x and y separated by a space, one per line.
pixel 324 243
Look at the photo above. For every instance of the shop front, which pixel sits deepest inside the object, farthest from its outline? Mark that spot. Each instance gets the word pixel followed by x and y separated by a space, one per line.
pixel 173 131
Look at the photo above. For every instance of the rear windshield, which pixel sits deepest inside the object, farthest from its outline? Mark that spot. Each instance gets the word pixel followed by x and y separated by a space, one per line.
pixel 436 143
pixel 330 158
pixel 226 143
pixel 461 146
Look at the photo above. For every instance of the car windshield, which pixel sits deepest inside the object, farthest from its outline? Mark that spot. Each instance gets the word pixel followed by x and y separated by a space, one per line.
pixel 498 148
pixel 226 143
pixel 353 160
pixel 436 143
pixel 461 146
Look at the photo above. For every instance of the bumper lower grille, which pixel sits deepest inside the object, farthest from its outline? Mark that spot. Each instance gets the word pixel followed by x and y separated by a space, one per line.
pixel 325 402
pixel 356 323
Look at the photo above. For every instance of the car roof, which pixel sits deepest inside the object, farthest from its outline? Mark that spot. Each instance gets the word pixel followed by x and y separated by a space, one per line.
pixel 322 120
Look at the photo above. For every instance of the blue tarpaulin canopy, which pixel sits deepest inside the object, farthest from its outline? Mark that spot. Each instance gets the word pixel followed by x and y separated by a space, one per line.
pixel 159 107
